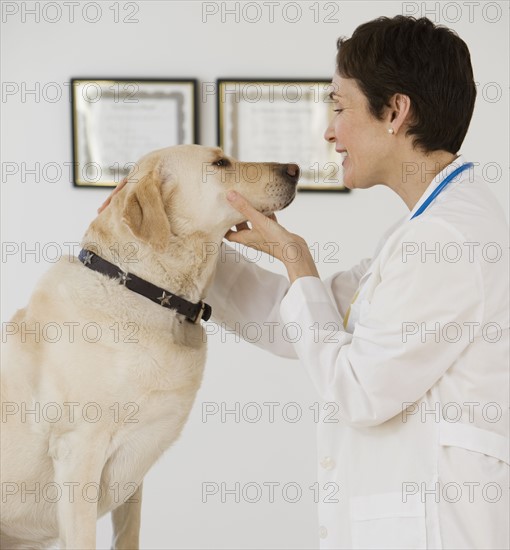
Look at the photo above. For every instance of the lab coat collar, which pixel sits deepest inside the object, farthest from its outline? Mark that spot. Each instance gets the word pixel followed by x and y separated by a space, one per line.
pixel 459 161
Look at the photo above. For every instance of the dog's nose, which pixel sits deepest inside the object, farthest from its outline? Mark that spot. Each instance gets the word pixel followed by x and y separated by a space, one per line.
pixel 292 172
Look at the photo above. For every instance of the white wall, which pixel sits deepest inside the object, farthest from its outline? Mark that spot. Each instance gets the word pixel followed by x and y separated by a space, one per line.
pixel 171 40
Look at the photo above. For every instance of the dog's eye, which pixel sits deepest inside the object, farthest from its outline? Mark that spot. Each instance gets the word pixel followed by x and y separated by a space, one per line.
pixel 221 162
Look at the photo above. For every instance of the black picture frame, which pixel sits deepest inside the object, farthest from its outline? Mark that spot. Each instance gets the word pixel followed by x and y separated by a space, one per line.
pixel 263 124
pixel 129 101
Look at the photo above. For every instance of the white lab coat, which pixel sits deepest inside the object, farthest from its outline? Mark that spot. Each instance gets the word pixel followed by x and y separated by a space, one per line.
pixel 414 431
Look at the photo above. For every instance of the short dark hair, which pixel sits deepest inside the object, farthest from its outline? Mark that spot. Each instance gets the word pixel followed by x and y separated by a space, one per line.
pixel 430 64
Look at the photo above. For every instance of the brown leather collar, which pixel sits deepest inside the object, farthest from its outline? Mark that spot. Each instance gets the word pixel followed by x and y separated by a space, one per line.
pixel 193 312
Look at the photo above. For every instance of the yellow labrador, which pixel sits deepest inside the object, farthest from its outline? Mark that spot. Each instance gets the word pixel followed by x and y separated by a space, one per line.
pixel 98 380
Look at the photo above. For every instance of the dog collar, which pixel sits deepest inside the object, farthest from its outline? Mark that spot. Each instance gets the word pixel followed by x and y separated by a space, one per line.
pixel 193 312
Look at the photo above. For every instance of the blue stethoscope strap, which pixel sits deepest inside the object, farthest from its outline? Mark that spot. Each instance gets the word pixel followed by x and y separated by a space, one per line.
pixel 440 188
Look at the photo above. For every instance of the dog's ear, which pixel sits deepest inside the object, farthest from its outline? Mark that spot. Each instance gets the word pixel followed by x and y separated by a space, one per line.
pixel 144 213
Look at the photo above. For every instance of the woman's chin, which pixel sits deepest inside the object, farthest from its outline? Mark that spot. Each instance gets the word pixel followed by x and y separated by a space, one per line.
pixel 347 181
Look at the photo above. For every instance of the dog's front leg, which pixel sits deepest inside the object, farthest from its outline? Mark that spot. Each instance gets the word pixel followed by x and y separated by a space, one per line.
pixel 78 463
pixel 126 522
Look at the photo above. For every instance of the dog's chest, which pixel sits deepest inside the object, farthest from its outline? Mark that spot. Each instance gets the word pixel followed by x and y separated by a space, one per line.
pixel 149 429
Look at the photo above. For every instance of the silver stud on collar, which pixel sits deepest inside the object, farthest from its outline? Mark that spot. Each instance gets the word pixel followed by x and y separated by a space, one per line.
pixel 88 258
pixel 123 278
pixel 164 299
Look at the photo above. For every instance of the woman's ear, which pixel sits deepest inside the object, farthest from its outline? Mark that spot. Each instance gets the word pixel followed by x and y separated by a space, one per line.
pixel 400 109
pixel 145 214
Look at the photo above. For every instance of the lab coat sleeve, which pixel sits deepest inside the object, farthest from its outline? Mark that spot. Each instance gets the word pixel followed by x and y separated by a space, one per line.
pixel 407 336
pixel 343 285
pixel 246 298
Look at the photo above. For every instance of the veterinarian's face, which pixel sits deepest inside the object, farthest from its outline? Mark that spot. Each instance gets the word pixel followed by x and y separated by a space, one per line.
pixel 204 175
pixel 358 135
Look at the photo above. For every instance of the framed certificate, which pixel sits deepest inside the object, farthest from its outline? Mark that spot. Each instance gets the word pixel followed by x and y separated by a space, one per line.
pixel 281 121
pixel 117 121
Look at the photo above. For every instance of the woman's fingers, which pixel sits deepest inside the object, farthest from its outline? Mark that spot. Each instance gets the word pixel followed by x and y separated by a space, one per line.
pixel 248 238
pixel 232 236
pixel 110 196
pixel 243 206
pixel 239 227
pixel 261 233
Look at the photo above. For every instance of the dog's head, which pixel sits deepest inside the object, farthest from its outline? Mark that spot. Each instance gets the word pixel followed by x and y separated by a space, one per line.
pixel 181 190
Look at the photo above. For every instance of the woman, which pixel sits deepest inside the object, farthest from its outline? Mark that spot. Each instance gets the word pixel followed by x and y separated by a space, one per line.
pixel 410 348
pixel 416 366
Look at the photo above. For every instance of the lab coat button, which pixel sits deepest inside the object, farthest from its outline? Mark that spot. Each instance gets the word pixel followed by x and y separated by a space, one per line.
pixel 328 463
pixel 323 532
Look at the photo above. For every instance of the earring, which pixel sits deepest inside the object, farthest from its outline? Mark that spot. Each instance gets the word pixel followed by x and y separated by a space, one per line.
pixel 391 131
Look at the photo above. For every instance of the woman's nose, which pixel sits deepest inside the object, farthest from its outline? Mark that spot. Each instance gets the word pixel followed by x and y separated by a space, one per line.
pixel 329 134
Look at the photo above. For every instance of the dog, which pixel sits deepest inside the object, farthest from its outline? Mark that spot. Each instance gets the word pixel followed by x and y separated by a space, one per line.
pixel 88 410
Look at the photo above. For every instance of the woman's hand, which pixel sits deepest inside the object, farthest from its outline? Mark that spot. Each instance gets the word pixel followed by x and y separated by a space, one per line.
pixel 267 235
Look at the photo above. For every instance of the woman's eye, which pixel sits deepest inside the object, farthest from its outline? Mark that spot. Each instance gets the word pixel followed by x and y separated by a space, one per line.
pixel 338 110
